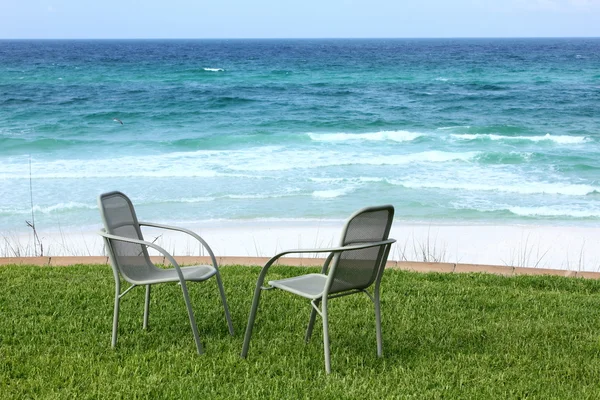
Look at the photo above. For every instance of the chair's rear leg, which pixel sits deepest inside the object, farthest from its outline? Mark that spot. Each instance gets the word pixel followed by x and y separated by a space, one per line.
pixel 146 307
pixel 224 301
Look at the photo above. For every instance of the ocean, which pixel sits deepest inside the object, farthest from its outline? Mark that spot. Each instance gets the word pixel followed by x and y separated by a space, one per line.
pixel 450 131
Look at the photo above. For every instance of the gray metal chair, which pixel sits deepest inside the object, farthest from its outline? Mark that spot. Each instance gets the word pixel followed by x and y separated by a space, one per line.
pixel 351 268
pixel 128 253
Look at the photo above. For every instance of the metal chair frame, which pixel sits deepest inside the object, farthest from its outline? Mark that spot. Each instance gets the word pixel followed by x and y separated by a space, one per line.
pixel 180 273
pixel 323 298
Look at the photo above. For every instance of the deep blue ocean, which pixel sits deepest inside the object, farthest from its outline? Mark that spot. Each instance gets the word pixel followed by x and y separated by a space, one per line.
pixel 448 130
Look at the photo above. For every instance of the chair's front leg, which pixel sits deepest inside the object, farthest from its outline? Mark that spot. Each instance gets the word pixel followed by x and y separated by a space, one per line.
pixel 252 316
pixel 326 336
pixel 311 321
pixel 146 307
pixel 188 304
pixel 116 314
pixel 376 300
pixel 224 301
pixel 255 301
pixel 378 322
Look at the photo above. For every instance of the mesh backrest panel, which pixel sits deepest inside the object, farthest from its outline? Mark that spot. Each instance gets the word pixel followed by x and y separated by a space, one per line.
pixel 120 219
pixel 358 269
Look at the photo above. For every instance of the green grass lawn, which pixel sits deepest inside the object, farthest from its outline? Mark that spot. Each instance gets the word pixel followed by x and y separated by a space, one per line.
pixel 444 336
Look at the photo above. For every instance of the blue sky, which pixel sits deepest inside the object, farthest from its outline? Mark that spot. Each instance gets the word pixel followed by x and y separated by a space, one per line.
pixel 297 19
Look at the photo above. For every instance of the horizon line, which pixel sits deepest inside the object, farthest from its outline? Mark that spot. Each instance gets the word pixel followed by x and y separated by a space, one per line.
pixel 312 38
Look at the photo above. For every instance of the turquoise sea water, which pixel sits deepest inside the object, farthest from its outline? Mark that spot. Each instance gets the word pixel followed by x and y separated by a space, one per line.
pixel 456 131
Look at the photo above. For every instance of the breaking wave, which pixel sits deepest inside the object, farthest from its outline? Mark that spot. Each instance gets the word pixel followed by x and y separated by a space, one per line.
pixel 559 139
pixel 394 136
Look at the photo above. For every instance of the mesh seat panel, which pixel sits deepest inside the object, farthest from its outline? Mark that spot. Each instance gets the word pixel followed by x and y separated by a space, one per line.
pixel 310 286
pixel 193 273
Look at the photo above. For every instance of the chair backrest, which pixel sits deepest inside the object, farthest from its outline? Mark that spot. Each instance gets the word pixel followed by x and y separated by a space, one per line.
pixel 118 215
pixel 358 269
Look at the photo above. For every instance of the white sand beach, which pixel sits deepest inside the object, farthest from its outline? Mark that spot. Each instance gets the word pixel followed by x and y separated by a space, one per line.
pixel 554 247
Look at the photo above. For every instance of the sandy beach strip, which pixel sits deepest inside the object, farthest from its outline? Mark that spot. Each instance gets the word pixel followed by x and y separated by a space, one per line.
pixel 543 247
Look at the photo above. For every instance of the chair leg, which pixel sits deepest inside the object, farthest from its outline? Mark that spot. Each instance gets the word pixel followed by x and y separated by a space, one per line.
pixel 188 304
pixel 224 301
pixel 252 317
pixel 115 317
pixel 146 307
pixel 326 337
pixel 311 322
pixel 378 323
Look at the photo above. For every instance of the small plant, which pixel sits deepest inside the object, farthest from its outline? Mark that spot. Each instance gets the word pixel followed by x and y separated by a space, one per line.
pixel 429 251
pixel 524 255
pixel 401 251
pixel 32 223
pixel 12 247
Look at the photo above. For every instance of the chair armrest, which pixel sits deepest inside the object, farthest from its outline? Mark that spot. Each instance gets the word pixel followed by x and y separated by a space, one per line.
pixel 333 250
pixel 148 244
pixel 189 232
pixel 337 249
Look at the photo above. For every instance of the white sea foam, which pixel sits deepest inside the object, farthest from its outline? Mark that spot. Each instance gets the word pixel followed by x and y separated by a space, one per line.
pixel 395 136
pixel 59 207
pixel 447 128
pixel 521 188
pixel 253 163
pixel 257 196
pixel 214 69
pixel 371 179
pixel 553 212
pixel 331 194
pixel 246 196
pixel 288 160
pixel 441 156
pixel 215 163
pixel 124 173
pixel 560 139
pixel 71 205
pixel 327 180
pixel 195 200
pixel 425 157
pixel 441 79
pixel 434 156
pixel 348 179
pixel 179 164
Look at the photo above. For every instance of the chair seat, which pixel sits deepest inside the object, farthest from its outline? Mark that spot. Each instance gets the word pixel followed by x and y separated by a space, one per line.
pixel 310 286
pixel 193 273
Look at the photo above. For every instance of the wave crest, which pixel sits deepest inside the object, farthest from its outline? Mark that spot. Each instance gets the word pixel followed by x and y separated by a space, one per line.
pixel 394 136
pixel 559 139
pixel 331 194
pixel 553 212
pixel 55 208
pixel 525 188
